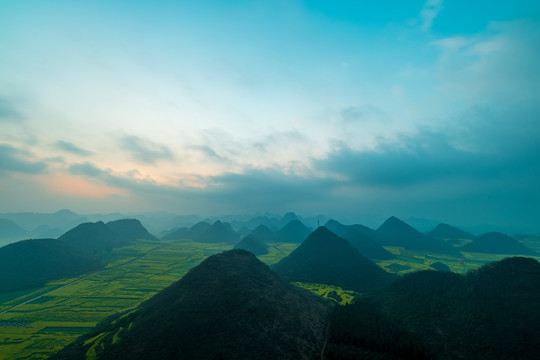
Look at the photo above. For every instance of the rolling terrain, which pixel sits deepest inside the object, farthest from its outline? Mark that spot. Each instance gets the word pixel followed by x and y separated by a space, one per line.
pixel 231 306
pixel 36 322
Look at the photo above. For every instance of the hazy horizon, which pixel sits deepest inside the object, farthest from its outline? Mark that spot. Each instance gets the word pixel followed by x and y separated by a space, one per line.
pixel 426 109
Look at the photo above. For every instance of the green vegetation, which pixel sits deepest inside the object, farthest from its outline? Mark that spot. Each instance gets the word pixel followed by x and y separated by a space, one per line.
pixel 70 306
pixel 330 292
pixel 231 306
pixel 50 316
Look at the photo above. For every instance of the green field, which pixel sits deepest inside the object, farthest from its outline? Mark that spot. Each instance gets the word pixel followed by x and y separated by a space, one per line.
pixel 62 310
pixel 35 323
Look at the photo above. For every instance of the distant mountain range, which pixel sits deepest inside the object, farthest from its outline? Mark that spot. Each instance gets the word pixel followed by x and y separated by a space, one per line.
pixel 231 306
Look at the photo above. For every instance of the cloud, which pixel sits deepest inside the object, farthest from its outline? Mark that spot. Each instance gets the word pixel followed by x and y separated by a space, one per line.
pixel 16 160
pixel 8 112
pixel 429 12
pixel 412 160
pixel 209 153
pixel 145 151
pixel 71 148
pixel 498 64
pixel 365 113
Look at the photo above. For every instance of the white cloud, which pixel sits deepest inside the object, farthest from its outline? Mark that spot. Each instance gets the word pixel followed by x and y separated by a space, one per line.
pixel 429 12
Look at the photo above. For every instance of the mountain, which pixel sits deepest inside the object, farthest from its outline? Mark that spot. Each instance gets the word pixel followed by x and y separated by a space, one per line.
pixel 253 245
pixel 489 313
pixel 9 229
pixel 361 238
pixel 498 243
pixel 366 246
pixel 91 237
pixel 264 234
pixel 445 231
pixel 218 232
pixel 394 232
pixel 129 229
pixel 327 258
pixel 31 263
pixel 188 233
pixel 231 306
pixel 340 229
pixel 95 237
pixel 287 218
pixel 294 232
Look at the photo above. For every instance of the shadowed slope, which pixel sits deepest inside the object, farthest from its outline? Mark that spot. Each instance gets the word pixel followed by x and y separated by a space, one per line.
pixel 253 245
pixel 294 232
pixel 361 238
pixel 31 263
pixel 231 306
pixel 490 313
pixel 129 229
pixel 445 231
pixel 497 243
pixel 326 258
pixel 394 232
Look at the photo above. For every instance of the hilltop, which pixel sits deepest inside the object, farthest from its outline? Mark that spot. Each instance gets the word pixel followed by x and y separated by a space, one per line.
pixel 231 306
pixel 498 243
pixel 294 232
pixel 394 232
pixel 445 231
pixel 357 236
pixel 327 258
pixel 253 245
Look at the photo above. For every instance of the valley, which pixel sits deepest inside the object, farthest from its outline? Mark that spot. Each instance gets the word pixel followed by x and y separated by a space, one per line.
pixel 36 323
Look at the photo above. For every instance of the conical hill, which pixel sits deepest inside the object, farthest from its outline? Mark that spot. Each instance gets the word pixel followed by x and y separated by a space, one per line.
pixel 231 306
pixel 327 258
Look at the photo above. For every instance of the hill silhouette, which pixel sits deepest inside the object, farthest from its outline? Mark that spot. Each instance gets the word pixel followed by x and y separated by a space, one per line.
pixel 357 236
pixel 498 243
pixel 95 237
pixel 264 234
pixel 218 232
pixel 127 230
pixel 394 232
pixel 188 232
pixel 445 231
pixel 490 313
pixel 253 245
pixel 31 263
pixel 327 258
pixel 231 306
pixel 341 229
pixel 294 232
pixel 91 237
pixel 10 229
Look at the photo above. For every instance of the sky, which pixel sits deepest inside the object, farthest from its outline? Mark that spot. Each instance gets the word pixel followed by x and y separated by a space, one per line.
pixel 355 110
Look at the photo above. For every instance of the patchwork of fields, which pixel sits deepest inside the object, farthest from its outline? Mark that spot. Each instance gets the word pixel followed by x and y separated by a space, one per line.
pixel 61 311
pixel 36 323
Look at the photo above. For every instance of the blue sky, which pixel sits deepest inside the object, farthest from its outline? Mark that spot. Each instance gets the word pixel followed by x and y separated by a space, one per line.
pixel 357 110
